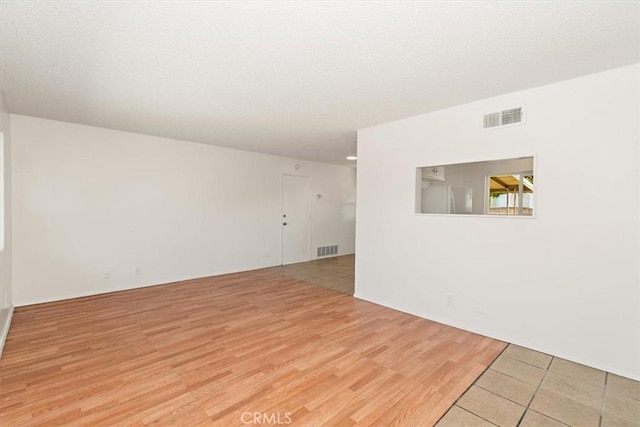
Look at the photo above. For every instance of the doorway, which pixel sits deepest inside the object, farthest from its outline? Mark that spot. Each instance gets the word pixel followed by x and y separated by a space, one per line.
pixel 296 219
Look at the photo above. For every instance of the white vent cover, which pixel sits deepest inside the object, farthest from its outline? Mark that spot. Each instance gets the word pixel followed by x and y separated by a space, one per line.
pixel 503 118
pixel 327 250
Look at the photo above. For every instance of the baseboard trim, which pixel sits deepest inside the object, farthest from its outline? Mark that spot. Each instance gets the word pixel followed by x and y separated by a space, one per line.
pixel 7 315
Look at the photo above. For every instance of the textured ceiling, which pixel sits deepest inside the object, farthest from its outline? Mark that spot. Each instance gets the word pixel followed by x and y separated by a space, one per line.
pixel 292 78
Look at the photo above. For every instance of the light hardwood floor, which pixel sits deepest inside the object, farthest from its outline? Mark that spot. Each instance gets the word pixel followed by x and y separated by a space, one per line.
pixel 255 346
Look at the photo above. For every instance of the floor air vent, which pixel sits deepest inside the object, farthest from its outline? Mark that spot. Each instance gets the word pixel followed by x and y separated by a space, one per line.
pixel 327 250
pixel 503 118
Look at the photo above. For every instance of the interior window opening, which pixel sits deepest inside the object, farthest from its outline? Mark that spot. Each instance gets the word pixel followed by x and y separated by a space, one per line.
pixel 499 187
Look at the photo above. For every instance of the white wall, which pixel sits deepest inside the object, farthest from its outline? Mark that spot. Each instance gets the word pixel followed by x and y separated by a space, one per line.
pixel 5 180
pixel 565 282
pixel 6 300
pixel 91 200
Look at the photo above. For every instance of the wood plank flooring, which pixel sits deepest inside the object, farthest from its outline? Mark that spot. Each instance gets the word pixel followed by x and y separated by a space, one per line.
pixel 254 348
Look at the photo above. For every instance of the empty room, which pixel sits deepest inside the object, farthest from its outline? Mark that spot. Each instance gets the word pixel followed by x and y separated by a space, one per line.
pixel 371 213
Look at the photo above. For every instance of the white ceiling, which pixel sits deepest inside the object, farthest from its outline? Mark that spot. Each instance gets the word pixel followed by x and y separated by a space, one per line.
pixel 292 78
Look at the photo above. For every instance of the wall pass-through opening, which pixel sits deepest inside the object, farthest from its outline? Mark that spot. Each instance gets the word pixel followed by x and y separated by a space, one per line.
pixel 491 187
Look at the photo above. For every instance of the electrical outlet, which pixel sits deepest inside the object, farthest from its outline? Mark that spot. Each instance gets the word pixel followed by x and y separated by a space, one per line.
pixel 138 270
pixel 479 306
pixel 107 275
pixel 448 300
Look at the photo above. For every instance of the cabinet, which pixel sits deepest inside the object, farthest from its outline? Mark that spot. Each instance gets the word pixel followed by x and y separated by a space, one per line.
pixel 433 172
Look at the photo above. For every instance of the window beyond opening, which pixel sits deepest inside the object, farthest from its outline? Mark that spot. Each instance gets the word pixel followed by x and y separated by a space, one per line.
pixel 511 194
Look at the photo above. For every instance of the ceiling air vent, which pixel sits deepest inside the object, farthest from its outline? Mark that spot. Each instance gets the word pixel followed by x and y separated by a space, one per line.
pixel 503 118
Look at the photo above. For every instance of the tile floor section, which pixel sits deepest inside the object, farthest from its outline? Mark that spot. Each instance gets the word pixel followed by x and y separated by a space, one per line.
pixel 522 387
pixel 526 388
pixel 334 273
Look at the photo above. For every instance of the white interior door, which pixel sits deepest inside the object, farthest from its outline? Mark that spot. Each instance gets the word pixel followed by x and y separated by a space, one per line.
pixel 296 219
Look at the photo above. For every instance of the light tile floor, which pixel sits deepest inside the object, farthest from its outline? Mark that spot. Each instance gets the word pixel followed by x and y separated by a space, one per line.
pixel 335 273
pixel 526 388
pixel 522 387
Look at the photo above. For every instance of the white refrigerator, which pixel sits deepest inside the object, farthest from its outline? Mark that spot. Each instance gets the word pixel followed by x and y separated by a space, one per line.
pixel 447 199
